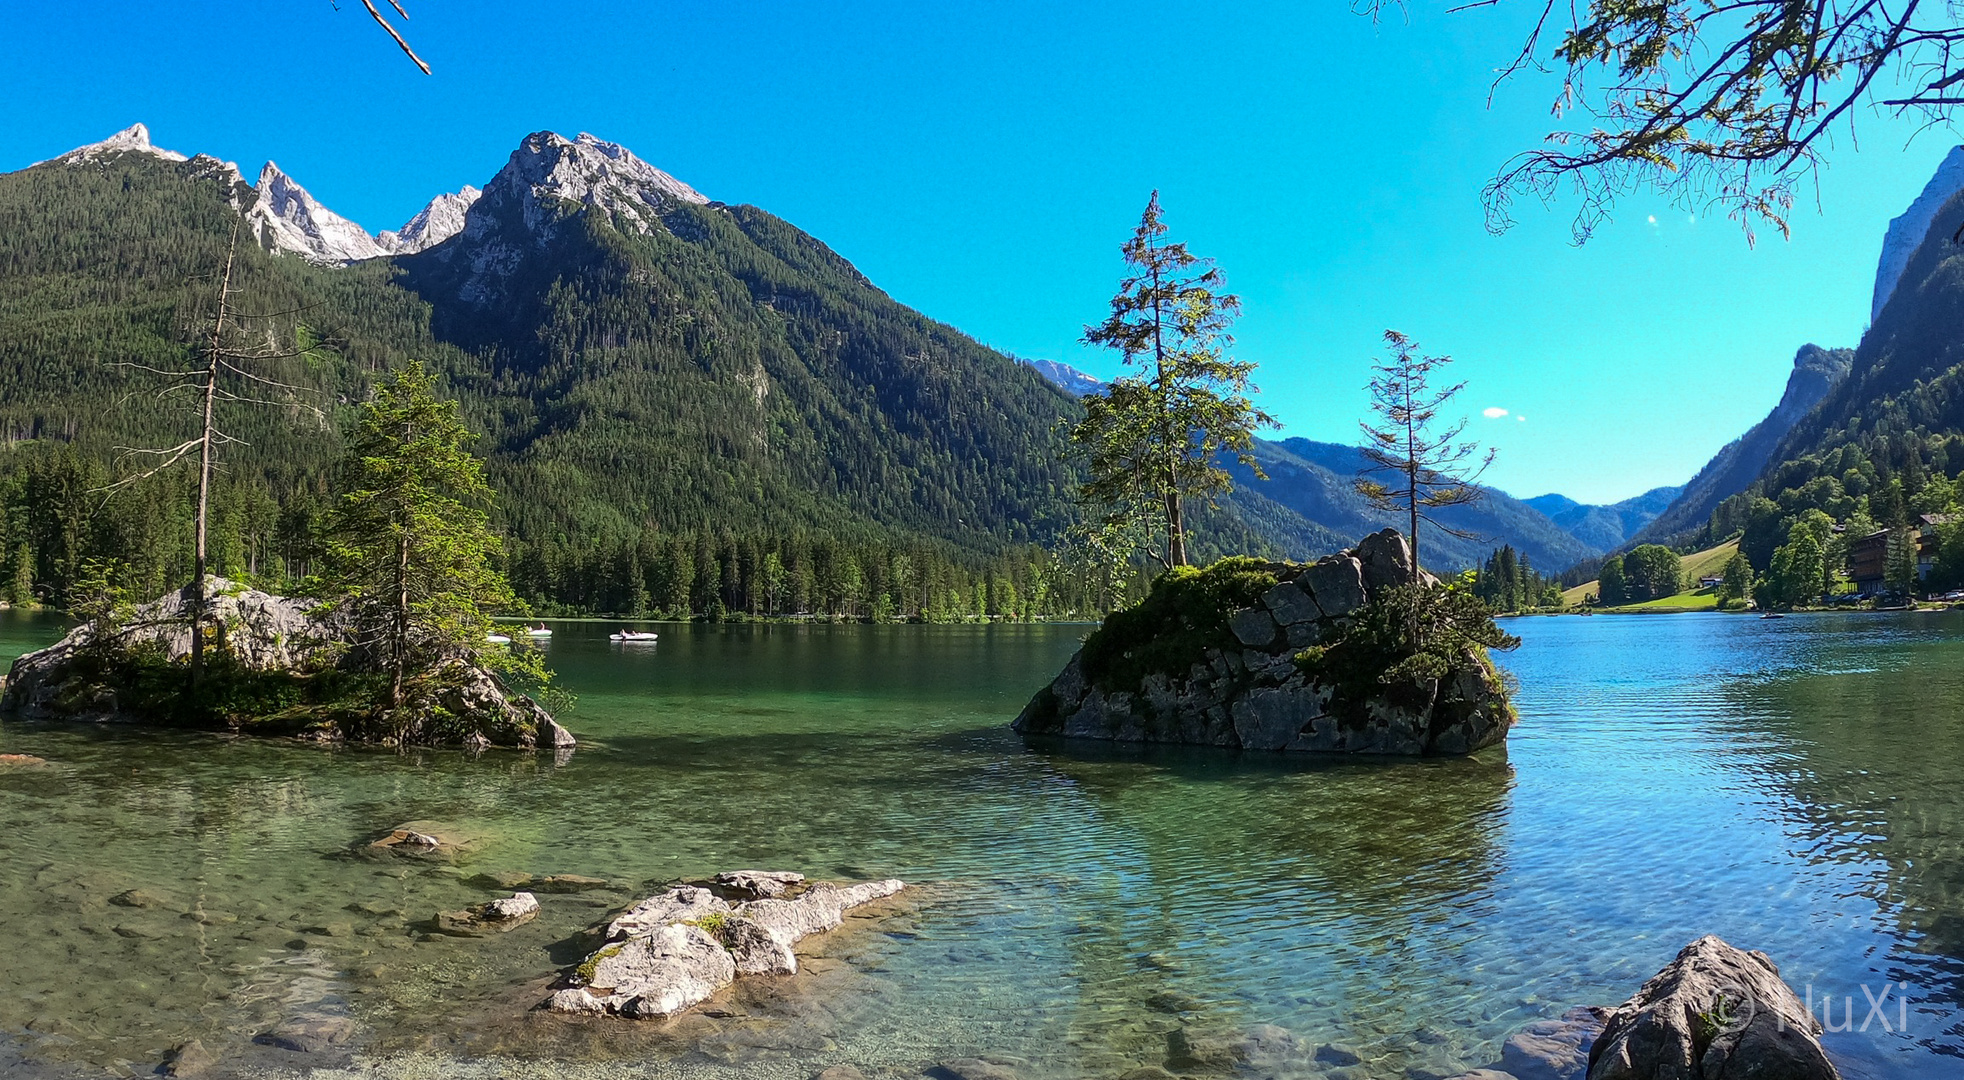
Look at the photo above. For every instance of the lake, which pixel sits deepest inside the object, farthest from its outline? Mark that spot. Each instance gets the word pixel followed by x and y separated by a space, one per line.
pixel 1791 785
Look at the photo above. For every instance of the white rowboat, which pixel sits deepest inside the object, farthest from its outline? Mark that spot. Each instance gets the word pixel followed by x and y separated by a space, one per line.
pixel 634 635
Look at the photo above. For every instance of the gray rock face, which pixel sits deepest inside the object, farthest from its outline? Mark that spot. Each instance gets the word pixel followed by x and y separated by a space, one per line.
pixel 1258 697
pixel 1337 583
pixel 676 948
pixel 1253 626
pixel 680 904
pixel 1714 1013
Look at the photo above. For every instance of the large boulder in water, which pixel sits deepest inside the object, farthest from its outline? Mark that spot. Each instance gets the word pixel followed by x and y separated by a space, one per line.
pixel 1276 656
pixel 1714 1013
pixel 676 948
pixel 279 655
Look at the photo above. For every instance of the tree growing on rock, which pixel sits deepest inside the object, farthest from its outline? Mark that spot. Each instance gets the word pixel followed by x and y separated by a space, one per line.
pixel 1154 439
pixel 409 550
pixel 1432 466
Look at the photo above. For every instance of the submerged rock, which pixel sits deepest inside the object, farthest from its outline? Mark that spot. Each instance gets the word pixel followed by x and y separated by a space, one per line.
pixel 270 647
pixel 495 917
pixel 422 840
pixel 676 948
pixel 1713 1012
pixel 1553 1049
pixel 1296 666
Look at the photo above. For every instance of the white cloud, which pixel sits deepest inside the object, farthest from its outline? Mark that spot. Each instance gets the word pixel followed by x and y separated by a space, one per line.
pixel 1494 413
pixel 1523 419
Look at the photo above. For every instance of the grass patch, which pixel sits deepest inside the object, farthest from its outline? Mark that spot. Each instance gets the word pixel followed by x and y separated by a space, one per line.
pixel 592 963
pixel 1707 563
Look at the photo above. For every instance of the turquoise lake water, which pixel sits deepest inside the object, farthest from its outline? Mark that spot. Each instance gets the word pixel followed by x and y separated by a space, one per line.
pixel 1792 785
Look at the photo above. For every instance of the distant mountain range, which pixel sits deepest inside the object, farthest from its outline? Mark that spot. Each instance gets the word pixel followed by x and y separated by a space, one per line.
pixel 1309 502
pixel 1605 528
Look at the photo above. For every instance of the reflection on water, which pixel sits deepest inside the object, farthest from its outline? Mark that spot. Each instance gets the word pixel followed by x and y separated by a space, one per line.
pixel 1790 785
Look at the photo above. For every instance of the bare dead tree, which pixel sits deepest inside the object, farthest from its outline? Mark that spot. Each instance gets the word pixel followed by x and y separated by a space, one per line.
pixel 1717 103
pixel 383 22
pixel 224 377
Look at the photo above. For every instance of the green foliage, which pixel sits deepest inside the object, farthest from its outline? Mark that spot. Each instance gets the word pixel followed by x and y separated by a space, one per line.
pixel 1432 465
pixel 1651 572
pixel 1406 637
pixel 1154 440
pixel 1797 574
pixel 1184 615
pixel 1899 576
pixel 1507 583
pixel 1611 589
pixel 408 550
pixel 1737 585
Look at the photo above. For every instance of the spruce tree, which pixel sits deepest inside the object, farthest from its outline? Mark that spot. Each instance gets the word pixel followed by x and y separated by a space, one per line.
pixel 409 550
pixel 1153 440
pixel 1432 466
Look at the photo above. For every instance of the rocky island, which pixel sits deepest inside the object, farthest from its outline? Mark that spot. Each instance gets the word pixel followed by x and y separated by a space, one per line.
pixel 1359 652
pixel 274 666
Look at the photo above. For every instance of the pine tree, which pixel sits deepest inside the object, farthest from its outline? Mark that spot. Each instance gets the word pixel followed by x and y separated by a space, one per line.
pixel 1433 468
pixel 408 548
pixel 1153 440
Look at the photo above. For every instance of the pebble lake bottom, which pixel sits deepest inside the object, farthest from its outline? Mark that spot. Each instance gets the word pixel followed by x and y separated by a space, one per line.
pixel 1790 785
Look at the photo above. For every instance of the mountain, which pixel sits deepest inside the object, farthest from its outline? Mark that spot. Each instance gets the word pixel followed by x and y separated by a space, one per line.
pixel 1309 504
pixel 1907 231
pixel 1067 378
pixel 1605 527
pixel 1816 373
pixel 668 389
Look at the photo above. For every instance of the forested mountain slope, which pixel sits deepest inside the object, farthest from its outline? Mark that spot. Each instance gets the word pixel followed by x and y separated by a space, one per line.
pixel 1739 463
pixel 651 374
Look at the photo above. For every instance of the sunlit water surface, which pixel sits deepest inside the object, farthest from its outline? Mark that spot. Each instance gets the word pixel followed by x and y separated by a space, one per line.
pixel 1791 785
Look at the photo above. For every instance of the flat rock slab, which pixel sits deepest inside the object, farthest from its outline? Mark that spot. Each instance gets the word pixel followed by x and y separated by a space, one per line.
pixel 537 883
pixel 676 948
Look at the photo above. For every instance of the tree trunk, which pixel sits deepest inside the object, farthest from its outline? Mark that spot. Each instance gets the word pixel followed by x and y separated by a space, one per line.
pixel 198 598
pixel 399 647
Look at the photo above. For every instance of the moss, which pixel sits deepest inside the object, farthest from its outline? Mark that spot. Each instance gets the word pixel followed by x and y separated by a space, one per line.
pixel 1375 658
pixel 586 969
pixel 1184 615
pixel 712 923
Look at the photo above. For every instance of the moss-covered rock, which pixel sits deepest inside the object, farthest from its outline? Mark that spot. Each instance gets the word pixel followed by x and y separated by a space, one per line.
pixel 1276 656
pixel 271 668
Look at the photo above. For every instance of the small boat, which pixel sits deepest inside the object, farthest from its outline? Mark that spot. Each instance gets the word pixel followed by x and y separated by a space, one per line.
pixel 497 639
pixel 1772 615
pixel 634 635
pixel 540 630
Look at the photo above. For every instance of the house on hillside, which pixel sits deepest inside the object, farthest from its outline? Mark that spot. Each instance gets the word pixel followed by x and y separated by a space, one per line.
pixel 1868 556
pixel 1710 581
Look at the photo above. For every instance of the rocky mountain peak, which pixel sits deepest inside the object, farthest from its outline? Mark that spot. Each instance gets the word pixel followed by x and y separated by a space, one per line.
pixel 442 219
pixel 584 170
pixel 1907 231
pixel 132 139
pixel 286 218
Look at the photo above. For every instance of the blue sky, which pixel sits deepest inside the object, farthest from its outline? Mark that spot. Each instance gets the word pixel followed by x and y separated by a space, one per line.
pixel 982 162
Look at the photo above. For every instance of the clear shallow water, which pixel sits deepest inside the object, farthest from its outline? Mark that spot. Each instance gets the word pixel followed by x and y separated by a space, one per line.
pixel 1792 785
